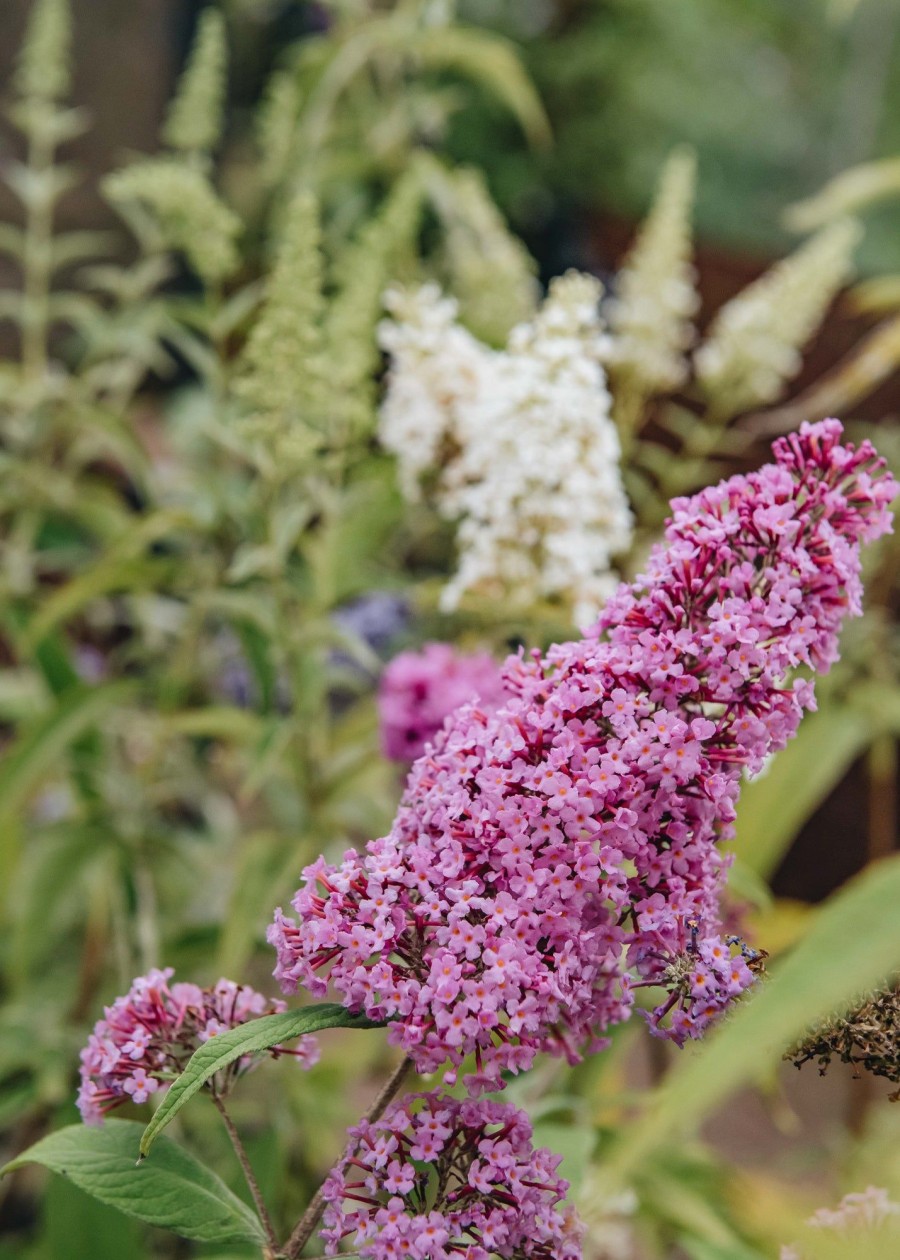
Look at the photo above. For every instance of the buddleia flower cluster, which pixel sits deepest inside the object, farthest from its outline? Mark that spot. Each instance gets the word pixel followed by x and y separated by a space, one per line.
pixel 282 377
pixel 442 1179
pixel 490 271
pixel 868 1221
pixel 44 70
pixel 552 857
pixel 194 122
pixel 516 445
pixel 418 690
pixel 183 208
pixel 146 1038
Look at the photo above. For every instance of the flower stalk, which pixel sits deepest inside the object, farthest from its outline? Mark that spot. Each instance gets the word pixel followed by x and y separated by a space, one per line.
pixel 309 1220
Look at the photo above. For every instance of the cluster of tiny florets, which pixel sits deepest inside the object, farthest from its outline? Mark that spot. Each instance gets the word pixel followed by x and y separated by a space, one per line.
pixel 516 446
pixel 867 1219
pixel 550 857
pixel 439 1179
pixel 146 1038
pixel 418 690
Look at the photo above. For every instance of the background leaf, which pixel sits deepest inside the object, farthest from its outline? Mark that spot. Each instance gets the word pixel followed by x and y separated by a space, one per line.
pixel 34 755
pixel 176 1191
pixel 774 807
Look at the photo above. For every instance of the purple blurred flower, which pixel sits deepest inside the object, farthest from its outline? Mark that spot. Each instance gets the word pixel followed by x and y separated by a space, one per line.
pixel 418 690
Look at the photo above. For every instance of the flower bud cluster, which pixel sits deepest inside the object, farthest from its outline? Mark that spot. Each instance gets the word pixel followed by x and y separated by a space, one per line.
pixel 550 857
pixel 418 690
pixel 437 1179
pixel 146 1038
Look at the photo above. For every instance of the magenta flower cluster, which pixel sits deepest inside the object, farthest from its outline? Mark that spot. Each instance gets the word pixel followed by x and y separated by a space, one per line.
pixel 551 857
pixel 418 690
pixel 439 1179
pixel 146 1038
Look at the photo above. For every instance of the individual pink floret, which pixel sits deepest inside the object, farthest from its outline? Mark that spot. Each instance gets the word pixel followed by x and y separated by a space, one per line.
pixel 418 690
pixel 146 1038
pixel 464 1182
pixel 552 857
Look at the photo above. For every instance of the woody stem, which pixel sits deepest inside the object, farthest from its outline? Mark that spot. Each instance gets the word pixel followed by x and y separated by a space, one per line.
pixel 249 1176
pixel 310 1218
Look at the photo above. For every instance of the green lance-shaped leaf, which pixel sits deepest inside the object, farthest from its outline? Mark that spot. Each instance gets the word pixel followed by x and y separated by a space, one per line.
pixel 276 125
pixel 37 750
pixel 492 62
pixel 194 124
pixel 852 946
pixel 774 807
pixel 363 272
pixel 125 566
pixel 176 1191
pixel 250 1038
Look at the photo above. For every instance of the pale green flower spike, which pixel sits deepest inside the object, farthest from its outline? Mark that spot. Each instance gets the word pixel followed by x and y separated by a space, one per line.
pixel 754 344
pixel 650 316
pixel 283 378
pixel 363 272
pixel 277 124
pixel 194 123
pixel 491 272
pixel 44 70
pixel 178 202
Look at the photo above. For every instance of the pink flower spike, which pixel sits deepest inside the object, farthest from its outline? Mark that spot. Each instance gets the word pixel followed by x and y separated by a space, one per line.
pixel 494 1188
pixel 548 857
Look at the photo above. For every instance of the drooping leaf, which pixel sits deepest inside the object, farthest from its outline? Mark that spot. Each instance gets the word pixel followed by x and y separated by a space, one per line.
pixel 37 750
pixel 175 1191
pixel 250 1038
pixel 491 61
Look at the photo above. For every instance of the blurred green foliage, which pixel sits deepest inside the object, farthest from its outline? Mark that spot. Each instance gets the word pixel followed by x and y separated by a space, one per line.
pixel 192 502
pixel 775 99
